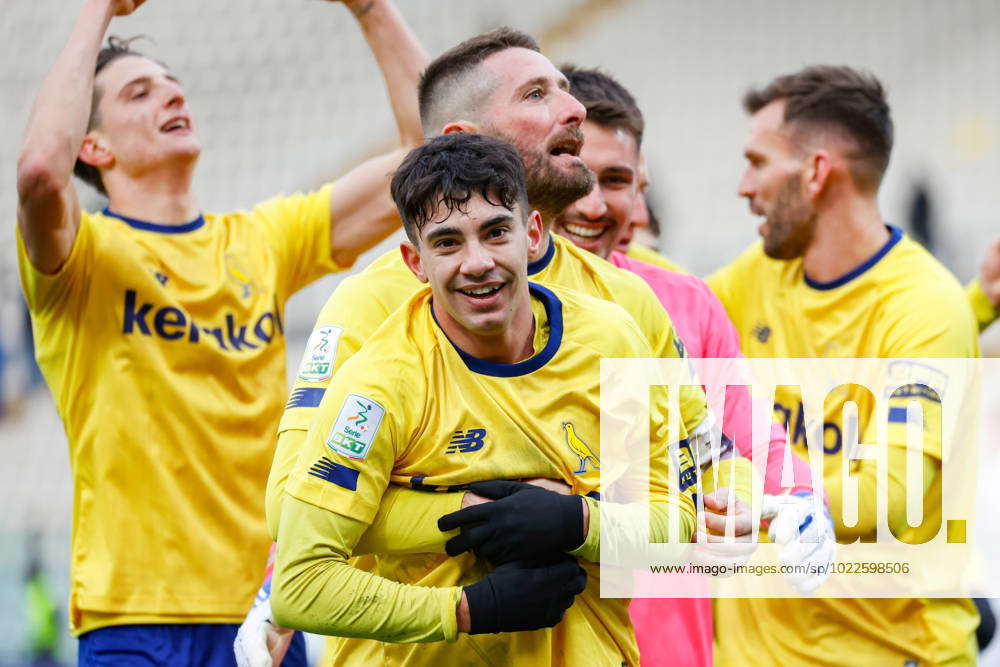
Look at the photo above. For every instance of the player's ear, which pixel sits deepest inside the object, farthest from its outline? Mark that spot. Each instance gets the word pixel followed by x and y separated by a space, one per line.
pixel 536 233
pixel 95 151
pixel 412 259
pixel 817 172
pixel 461 126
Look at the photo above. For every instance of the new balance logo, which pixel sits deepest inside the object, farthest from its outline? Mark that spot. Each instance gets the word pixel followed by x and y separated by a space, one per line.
pixel 464 442
pixel 762 332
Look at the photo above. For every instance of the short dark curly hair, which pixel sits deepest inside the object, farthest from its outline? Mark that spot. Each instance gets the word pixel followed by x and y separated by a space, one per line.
pixel 115 49
pixel 450 170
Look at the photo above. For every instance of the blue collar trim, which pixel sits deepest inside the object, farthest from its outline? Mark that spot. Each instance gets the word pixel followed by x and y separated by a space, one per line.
pixel 544 260
pixel 157 227
pixel 895 235
pixel 553 311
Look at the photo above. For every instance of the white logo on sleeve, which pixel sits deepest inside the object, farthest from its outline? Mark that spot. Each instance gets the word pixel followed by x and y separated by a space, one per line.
pixel 354 431
pixel 320 354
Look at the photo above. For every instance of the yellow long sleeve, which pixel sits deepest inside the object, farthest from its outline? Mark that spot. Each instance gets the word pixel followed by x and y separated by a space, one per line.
pixel 316 590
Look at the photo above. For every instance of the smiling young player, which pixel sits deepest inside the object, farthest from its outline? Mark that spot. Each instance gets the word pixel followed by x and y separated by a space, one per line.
pixel 483 352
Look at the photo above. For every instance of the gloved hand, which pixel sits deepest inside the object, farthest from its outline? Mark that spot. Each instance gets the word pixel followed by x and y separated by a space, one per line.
pixel 523 595
pixel 524 522
pixel 806 538
pixel 259 642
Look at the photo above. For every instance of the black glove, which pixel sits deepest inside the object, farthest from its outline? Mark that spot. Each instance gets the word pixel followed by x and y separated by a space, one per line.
pixel 524 595
pixel 525 522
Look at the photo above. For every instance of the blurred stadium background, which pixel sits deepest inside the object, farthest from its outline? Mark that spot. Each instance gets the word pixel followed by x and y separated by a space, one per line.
pixel 286 96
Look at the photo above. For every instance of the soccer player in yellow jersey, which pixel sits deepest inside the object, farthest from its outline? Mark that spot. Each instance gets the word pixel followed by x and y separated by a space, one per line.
pixel 830 279
pixel 159 331
pixel 483 375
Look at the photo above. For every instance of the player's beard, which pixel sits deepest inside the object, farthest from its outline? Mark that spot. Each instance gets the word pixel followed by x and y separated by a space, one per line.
pixel 791 223
pixel 550 189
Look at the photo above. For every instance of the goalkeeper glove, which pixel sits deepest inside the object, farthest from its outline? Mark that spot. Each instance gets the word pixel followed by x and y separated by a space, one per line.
pixel 807 538
pixel 259 642
pixel 521 596
pixel 525 522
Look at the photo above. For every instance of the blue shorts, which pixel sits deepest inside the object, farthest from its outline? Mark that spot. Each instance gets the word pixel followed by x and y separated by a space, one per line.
pixel 180 645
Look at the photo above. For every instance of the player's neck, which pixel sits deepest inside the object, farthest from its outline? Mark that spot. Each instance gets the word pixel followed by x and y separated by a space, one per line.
pixel 846 237
pixel 162 198
pixel 514 344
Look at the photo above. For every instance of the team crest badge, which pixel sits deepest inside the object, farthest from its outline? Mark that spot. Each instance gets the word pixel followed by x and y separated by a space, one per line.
pixel 581 449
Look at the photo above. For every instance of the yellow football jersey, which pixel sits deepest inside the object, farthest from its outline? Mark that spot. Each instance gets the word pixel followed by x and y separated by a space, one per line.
pixel 164 350
pixel 650 256
pixel 878 310
pixel 362 302
pixel 412 409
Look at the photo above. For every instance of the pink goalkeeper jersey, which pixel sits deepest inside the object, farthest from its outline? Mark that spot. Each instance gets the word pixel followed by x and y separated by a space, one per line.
pixel 706 331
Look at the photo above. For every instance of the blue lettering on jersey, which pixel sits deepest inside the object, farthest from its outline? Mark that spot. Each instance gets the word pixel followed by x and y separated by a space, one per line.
pixel 341 475
pixel 799 430
pixel 305 397
pixel 171 323
pixel 464 442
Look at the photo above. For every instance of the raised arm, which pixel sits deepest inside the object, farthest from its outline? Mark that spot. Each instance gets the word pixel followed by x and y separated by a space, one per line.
pixel 361 209
pixel 48 215
pixel 400 57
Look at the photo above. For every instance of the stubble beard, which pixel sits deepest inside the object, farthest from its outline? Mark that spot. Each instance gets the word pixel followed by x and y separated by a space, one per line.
pixel 791 224
pixel 550 190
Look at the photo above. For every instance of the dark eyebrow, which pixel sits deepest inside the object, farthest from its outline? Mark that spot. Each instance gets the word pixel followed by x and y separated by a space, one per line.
pixel 443 230
pixel 497 219
pixel 451 230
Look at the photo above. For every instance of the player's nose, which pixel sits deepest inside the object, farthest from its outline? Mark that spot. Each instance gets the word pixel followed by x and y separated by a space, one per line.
pixel 746 187
pixel 476 260
pixel 173 95
pixel 571 111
